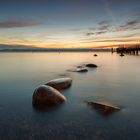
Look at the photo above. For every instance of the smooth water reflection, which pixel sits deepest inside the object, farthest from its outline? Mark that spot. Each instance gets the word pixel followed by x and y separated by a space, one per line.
pixel 115 81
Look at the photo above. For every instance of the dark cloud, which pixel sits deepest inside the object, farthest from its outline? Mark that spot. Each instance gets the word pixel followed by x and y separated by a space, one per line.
pixel 90 34
pixel 18 24
pixel 105 22
pixel 101 28
pixel 104 27
pixel 95 33
pixel 130 25
pixel 101 32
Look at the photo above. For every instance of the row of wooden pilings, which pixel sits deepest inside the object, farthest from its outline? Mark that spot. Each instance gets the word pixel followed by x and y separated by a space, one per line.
pixel 133 50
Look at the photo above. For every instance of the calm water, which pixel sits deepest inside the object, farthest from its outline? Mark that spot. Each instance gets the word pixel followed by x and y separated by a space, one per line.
pixel 115 81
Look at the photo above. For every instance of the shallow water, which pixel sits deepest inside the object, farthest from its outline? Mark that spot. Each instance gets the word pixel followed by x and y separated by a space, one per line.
pixel 116 81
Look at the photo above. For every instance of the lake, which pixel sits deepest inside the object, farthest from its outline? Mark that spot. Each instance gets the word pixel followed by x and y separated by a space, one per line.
pixel 116 81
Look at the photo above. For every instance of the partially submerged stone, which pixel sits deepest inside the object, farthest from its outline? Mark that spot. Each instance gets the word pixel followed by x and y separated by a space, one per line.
pixel 79 70
pixel 95 55
pixel 80 67
pixel 61 83
pixel 46 96
pixel 90 65
pixel 82 70
pixel 64 74
pixel 104 108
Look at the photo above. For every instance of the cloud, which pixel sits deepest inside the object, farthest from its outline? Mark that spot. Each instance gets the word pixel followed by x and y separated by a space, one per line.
pixel 130 25
pixel 17 24
pixel 104 27
pixel 105 22
pixel 95 33
pixel 90 34
pixel 101 32
pixel 112 40
pixel 101 28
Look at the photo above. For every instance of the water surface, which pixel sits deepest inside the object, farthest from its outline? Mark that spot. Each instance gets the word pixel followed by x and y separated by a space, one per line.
pixel 115 81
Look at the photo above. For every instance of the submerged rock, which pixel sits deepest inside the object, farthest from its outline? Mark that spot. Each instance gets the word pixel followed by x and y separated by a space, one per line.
pixel 103 108
pixel 45 96
pixel 80 67
pixel 82 70
pixel 61 83
pixel 91 65
pixel 63 74
pixel 95 55
pixel 79 70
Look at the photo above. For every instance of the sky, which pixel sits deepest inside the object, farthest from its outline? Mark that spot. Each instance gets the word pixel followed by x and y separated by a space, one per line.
pixel 69 23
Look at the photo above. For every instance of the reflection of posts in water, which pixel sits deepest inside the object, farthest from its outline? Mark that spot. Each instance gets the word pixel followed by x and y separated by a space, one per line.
pixel 112 50
pixel 131 50
pixel 137 51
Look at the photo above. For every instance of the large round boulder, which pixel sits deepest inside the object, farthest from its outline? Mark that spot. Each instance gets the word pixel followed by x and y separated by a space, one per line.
pixel 61 83
pixel 44 96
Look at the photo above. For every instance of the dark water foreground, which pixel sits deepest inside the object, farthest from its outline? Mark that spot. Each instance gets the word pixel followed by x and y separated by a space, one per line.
pixel 115 81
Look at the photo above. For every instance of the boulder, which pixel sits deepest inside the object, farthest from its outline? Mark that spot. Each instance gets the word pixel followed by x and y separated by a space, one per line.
pixel 104 108
pixel 91 65
pixel 61 83
pixel 45 96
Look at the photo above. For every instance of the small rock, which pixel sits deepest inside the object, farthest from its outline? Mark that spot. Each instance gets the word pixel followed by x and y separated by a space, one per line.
pixel 61 83
pixel 82 70
pixel 104 108
pixel 95 55
pixel 64 74
pixel 79 70
pixel 80 67
pixel 91 65
pixel 45 96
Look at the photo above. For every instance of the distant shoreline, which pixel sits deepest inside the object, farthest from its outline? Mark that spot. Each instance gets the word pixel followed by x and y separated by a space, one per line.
pixel 55 50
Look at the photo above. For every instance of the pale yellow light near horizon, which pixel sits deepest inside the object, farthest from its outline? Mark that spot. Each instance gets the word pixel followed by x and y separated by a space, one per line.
pixel 98 45
pixel 65 42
